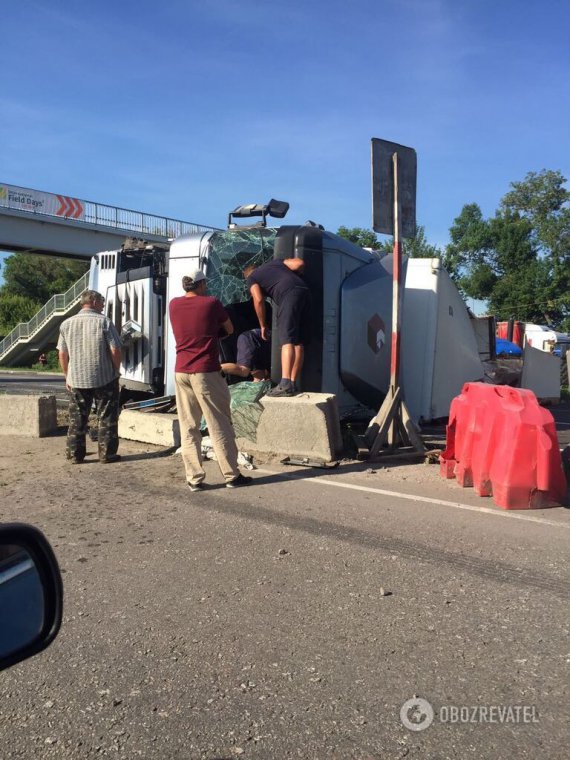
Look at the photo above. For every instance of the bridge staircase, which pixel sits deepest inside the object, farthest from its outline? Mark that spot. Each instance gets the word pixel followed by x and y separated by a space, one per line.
pixel 29 339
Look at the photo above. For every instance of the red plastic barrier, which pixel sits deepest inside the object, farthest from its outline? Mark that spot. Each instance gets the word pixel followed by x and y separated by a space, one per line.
pixel 501 442
pixel 518 332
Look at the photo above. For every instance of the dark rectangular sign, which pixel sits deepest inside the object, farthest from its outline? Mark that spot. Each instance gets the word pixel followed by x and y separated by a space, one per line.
pixel 383 187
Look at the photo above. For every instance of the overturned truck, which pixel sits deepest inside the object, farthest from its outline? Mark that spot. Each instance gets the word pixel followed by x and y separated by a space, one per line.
pixel 349 350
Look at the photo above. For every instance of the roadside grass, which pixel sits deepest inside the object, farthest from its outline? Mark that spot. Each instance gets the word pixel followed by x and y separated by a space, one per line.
pixel 33 368
pixel 51 365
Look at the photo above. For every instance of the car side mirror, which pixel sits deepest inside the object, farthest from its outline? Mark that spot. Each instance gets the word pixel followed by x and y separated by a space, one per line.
pixel 31 593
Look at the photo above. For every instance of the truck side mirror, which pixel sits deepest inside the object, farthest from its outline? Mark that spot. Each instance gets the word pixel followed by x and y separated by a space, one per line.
pixel 31 593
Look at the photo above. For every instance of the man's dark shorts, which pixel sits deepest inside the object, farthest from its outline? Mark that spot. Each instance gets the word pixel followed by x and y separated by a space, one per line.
pixel 252 351
pixel 294 317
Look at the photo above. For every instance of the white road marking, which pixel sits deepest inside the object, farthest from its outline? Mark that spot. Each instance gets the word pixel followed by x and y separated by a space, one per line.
pixel 497 512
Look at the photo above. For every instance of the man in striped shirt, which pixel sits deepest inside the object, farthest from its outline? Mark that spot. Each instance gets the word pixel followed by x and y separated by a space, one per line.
pixel 90 356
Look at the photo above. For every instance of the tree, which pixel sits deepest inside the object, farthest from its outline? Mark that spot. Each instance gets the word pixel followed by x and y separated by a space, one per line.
pixel 416 247
pixel 519 259
pixel 39 277
pixel 360 236
pixel 15 309
pixel 544 201
pixel 470 242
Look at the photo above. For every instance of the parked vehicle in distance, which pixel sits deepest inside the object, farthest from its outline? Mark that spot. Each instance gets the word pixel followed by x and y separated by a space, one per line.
pixel 542 337
pixel 546 339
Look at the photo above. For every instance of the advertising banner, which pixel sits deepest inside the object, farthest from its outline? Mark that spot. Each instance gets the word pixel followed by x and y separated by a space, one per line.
pixel 36 202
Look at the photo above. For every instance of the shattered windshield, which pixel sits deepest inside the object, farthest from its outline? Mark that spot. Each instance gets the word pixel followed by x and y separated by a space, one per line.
pixel 230 253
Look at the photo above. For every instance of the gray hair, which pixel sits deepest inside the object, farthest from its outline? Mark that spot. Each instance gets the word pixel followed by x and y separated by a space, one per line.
pixel 91 296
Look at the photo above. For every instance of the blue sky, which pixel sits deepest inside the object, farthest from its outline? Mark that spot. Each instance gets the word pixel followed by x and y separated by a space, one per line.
pixel 187 109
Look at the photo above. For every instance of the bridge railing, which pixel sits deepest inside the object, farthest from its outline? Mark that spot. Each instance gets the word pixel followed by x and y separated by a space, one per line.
pixel 58 303
pixel 139 222
pixel 77 211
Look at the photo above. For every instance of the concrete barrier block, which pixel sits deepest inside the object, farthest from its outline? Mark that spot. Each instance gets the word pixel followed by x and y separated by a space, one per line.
pixel 541 374
pixel 149 427
pixel 306 425
pixel 32 416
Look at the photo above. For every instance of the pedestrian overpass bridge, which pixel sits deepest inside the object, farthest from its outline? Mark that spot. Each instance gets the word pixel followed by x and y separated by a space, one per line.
pixel 59 225
pixel 34 221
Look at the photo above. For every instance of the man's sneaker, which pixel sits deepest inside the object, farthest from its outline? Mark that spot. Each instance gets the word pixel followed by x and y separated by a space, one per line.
pixel 111 459
pixel 195 487
pixel 75 460
pixel 281 391
pixel 241 480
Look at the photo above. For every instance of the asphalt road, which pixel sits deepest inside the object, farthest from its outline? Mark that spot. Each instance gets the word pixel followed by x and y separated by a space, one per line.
pixel 289 619
pixel 32 383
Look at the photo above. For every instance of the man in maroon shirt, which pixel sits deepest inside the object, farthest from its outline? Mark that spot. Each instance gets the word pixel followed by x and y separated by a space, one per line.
pixel 197 322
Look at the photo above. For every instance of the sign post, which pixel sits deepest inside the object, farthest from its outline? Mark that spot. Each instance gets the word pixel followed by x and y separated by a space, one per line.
pixel 394 212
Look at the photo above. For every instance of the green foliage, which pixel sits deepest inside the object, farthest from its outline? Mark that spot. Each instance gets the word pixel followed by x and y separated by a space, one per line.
pixel 39 277
pixel 470 241
pixel 416 247
pixel 543 200
pixel 519 259
pixel 29 282
pixel 360 236
pixel 419 248
pixel 52 363
pixel 15 309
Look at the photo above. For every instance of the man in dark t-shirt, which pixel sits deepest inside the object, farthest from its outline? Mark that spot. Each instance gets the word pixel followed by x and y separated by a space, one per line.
pixel 197 322
pixel 279 280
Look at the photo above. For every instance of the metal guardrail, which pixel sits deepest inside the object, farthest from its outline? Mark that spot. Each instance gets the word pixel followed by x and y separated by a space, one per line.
pixel 136 221
pixel 56 304
pixel 112 216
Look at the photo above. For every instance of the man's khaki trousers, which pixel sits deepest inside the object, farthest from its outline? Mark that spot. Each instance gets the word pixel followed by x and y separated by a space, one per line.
pixel 205 393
